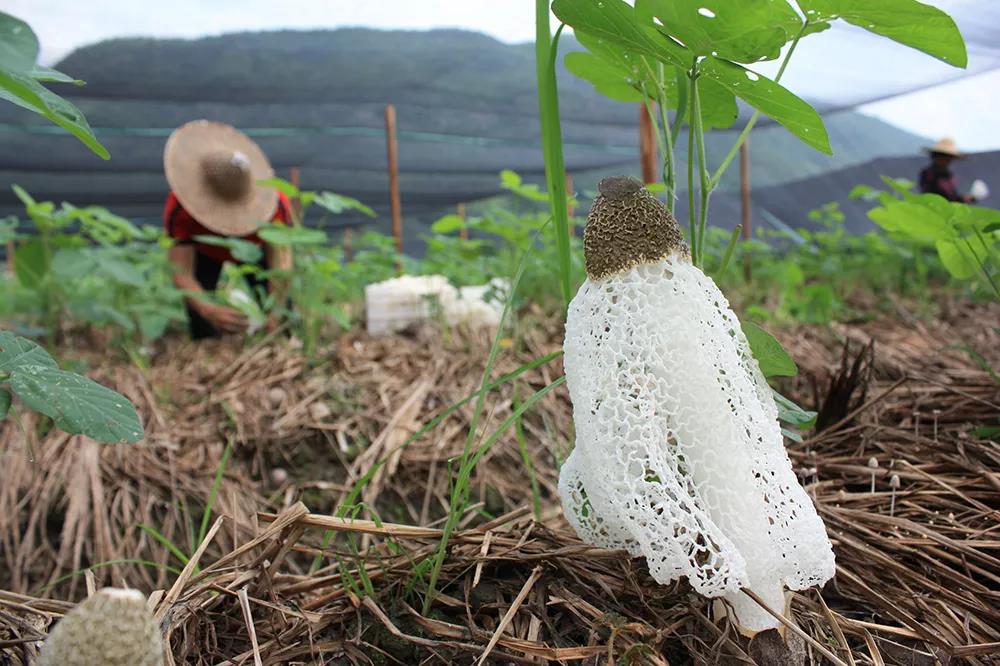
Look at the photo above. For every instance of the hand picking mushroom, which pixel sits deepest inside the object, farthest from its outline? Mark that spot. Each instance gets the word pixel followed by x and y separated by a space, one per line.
pixel 679 457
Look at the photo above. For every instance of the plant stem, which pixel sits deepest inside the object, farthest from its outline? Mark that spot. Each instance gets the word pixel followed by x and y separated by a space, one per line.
pixel 733 238
pixel 692 213
pixel 699 135
pixel 546 47
pixel 714 182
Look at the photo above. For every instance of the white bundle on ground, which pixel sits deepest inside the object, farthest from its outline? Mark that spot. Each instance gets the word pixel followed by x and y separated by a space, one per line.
pixel 395 304
pixel 679 456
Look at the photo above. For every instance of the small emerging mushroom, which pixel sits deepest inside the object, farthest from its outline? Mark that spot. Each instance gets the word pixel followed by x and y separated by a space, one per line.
pixel 873 465
pixel 111 628
pixel 679 457
pixel 893 486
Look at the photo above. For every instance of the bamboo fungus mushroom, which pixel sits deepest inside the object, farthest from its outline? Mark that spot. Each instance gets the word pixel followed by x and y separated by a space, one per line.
pixel 679 456
pixel 111 628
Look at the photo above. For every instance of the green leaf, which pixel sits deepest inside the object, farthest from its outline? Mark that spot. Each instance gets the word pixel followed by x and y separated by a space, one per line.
pixel 18 44
pixel 243 251
pixel 448 224
pixel 792 413
pixel 607 79
pixel 962 257
pixel 718 104
pixel 741 30
pixel 615 21
pixel 337 203
pixel 908 22
pixel 771 99
pixel 771 356
pixel 32 261
pixel 991 227
pixel 919 221
pixel 73 263
pixel 77 405
pixel 280 184
pixel 123 272
pixel 28 93
pixel 282 234
pixel 16 352
pixel 49 75
pixel 5 402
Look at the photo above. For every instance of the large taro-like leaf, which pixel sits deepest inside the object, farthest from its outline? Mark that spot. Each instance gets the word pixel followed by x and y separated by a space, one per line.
pixel 16 352
pixel 741 30
pixel 76 404
pixel 617 23
pixel 908 22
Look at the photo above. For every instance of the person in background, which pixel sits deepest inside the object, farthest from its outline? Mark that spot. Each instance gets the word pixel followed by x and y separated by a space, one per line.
pixel 937 177
pixel 213 171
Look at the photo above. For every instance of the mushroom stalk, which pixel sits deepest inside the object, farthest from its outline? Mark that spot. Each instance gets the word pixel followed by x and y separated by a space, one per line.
pixel 679 457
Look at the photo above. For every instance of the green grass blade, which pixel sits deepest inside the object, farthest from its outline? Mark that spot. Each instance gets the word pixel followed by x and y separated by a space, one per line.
pixel 733 239
pixel 165 542
pixel 206 515
pixel 459 494
pixel 546 49
pixel 522 445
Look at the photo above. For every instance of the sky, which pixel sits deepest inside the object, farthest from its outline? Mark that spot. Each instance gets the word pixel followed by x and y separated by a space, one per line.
pixel 963 109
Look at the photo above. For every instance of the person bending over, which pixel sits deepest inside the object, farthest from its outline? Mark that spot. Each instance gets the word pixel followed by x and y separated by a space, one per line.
pixel 213 171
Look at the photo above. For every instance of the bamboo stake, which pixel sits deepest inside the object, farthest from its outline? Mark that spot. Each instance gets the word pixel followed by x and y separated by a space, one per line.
pixel 745 202
pixel 647 146
pixel 463 233
pixel 293 178
pixel 392 150
pixel 348 246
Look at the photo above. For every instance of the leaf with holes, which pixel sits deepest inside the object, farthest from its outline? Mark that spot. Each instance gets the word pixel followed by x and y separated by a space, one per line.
pixel 24 91
pixel 771 99
pixel 774 361
pixel 615 22
pixel 77 405
pixel 740 30
pixel 908 22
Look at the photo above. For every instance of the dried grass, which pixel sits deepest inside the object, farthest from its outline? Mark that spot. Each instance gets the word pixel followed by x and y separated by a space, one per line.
pixel 918 577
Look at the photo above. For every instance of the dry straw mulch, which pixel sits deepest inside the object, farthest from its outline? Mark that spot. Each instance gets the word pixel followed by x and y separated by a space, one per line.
pixel 918 578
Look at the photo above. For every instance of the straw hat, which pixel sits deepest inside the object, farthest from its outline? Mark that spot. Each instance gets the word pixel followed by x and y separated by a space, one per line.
pixel 213 169
pixel 945 146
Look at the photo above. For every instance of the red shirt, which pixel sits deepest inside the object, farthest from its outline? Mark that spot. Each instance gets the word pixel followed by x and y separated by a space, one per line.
pixel 180 226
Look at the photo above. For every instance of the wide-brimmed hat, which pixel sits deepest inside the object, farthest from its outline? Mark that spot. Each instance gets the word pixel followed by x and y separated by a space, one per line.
pixel 945 146
pixel 214 170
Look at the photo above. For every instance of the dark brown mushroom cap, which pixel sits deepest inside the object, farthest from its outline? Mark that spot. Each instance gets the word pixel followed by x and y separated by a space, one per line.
pixel 628 226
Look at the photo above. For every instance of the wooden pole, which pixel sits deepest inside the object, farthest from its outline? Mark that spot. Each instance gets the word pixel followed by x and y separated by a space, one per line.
pixel 570 210
pixel 463 233
pixel 745 201
pixel 647 146
pixel 293 178
pixel 392 151
pixel 10 257
pixel 348 247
